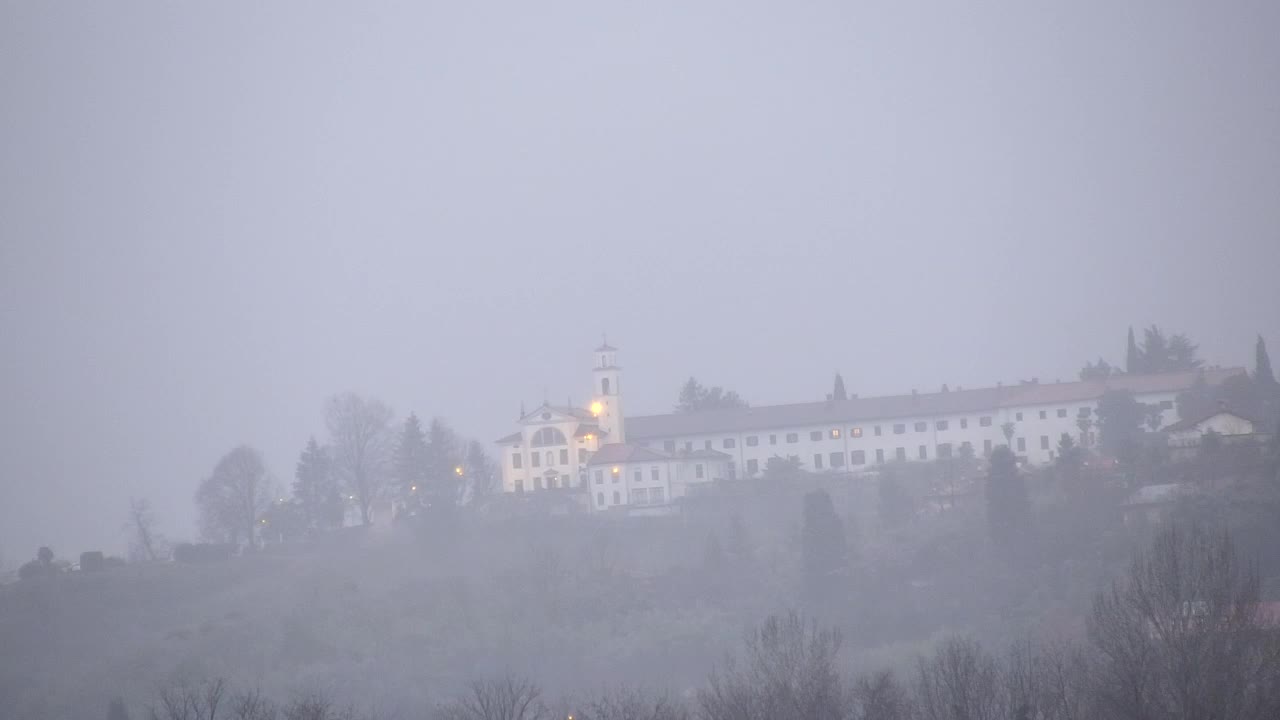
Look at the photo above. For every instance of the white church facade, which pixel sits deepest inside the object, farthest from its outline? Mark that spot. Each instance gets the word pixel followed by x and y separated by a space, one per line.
pixel 652 460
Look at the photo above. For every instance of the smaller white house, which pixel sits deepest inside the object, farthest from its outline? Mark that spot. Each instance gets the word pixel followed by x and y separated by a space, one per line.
pixel 632 476
pixel 1151 504
pixel 1188 433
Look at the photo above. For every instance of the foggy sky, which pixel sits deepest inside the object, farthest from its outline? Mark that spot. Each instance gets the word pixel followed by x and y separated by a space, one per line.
pixel 212 217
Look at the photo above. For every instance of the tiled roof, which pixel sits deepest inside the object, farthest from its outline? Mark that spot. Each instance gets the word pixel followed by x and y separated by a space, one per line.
pixel 954 402
pixel 513 437
pixel 1190 423
pixel 619 453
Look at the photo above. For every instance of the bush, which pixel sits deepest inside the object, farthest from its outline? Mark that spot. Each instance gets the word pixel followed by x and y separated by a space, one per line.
pixel 92 561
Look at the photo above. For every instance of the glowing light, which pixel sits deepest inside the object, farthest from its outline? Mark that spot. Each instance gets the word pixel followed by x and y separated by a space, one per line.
pixel 597 407
pixel 413 488
pixel 616 469
pixel 457 470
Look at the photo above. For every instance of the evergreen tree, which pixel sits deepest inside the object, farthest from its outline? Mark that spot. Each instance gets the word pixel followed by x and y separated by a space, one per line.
pixel 480 473
pixel 1132 356
pixel 694 397
pixel 1120 420
pixel 1008 508
pixel 410 461
pixel 1069 461
pixel 444 465
pixel 1262 374
pixel 838 392
pixel 823 549
pixel 1100 370
pixel 316 489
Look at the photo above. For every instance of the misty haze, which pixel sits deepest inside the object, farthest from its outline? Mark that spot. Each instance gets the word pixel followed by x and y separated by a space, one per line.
pixel 639 361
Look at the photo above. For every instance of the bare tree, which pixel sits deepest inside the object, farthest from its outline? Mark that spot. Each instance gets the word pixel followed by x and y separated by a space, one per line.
pixel 631 704
pixel 882 697
pixel 1182 636
pixel 960 682
pixel 360 435
pixel 504 698
pixel 789 673
pixel 234 497
pixel 141 527
pixel 190 703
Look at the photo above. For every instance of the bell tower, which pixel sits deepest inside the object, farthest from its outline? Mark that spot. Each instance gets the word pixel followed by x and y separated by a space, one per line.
pixel 606 392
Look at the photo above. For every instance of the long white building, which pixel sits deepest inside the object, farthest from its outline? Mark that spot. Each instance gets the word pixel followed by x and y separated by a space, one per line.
pixel 652 459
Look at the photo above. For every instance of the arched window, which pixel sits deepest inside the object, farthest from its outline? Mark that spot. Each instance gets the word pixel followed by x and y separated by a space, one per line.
pixel 604 386
pixel 548 436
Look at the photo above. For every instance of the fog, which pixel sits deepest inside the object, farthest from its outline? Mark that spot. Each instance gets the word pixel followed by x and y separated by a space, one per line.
pixel 215 216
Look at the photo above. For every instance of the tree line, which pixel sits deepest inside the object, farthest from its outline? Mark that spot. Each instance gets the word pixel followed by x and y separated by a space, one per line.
pixel 365 461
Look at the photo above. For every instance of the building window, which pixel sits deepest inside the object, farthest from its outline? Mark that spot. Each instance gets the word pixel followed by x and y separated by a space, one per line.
pixel 706 444
pixel 964 423
pixel 899 429
pixel 773 439
pixel 793 437
pixel 1166 404
pixel 1022 444
pixel 880 456
pixel 944 450
pixel 878 431
pixel 520 486
pixel 553 482
pixel 730 443
pixel 817 461
pixel 548 436
pixel 564 456
pixel 815 435
pixel 984 421
pixel 537 483
pixel 697 471
pixel 753 466
pixel 617 498
pixel 922 426
pixel 616 473
pixel 535 460
pixel 836 459
pixel 654 475
pixel 669 445
pixel 582 456
pixel 564 481
pixel 901 454
pixel 835 433
pixel 923 452
pixel 1044 442
pixel 600 499
pixel 855 432
pixel 1083 412
pixel 516 461
pixel 1018 417
pixel 752 440
pixel 941 425
pixel 599 477
pixel 1062 412
pixel 1044 414
pixel 656 495
pixel 638 475
pixel 551 458
pixel 986 448
pixel 688 446
pixel 640 496
pixel 858 457
pixel 604 386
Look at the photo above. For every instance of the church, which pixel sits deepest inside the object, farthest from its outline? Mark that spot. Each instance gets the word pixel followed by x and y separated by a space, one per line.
pixel 650 461
pixel 562 447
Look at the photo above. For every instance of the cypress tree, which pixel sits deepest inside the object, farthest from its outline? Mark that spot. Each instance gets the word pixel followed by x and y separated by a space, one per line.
pixel 839 393
pixel 1132 356
pixel 1262 373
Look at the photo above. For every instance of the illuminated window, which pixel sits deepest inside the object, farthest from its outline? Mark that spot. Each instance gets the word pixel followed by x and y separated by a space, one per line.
pixel 855 432
pixel 835 433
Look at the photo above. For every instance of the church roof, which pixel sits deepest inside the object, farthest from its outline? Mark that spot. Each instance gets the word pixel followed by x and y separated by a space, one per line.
pixel 606 347
pixel 953 402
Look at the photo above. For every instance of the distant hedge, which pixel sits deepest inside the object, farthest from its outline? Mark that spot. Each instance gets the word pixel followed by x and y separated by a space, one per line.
pixel 92 560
